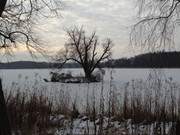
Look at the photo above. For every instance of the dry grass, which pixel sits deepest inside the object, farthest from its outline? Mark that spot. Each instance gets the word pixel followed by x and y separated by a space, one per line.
pixel 154 100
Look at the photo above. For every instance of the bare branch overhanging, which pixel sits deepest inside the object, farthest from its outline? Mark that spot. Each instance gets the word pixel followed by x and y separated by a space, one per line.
pixel 16 18
pixel 158 20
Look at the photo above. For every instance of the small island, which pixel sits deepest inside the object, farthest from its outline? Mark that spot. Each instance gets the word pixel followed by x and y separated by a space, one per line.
pixel 69 78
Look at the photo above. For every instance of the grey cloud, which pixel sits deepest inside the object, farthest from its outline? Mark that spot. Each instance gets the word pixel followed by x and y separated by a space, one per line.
pixel 110 18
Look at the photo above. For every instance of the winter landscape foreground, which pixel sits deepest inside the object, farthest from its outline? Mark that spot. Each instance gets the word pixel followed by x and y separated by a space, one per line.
pixel 127 102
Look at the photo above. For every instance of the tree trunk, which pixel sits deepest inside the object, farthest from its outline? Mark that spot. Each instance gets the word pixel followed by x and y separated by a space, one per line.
pixel 88 75
pixel 2 6
pixel 178 127
pixel 4 121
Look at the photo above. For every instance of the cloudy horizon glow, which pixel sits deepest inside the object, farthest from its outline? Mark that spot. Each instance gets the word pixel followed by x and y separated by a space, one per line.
pixel 110 19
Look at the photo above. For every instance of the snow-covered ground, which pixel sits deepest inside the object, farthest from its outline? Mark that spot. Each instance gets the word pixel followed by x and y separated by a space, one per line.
pixel 83 126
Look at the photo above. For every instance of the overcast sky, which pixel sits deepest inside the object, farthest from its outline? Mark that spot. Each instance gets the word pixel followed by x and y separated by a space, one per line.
pixel 110 18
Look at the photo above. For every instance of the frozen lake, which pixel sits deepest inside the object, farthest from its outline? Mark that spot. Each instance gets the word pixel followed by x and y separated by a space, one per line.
pixel 119 75
pixel 32 79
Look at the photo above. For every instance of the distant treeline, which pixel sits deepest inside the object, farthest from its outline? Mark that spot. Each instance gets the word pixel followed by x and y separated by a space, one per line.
pixel 148 60
pixel 34 65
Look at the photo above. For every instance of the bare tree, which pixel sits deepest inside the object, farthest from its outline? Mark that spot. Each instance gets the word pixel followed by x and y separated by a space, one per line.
pixel 17 20
pixel 84 50
pixel 157 26
pixel 158 22
pixel 15 27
